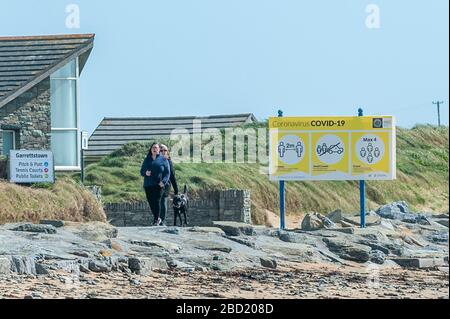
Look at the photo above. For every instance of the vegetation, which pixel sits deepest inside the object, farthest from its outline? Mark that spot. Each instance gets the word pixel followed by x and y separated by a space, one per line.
pixel 66 200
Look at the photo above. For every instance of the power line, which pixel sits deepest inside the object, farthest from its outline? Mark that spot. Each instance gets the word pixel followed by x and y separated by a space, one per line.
pixel 438 103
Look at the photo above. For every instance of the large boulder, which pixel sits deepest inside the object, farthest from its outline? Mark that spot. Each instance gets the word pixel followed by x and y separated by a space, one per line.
pixel 348 250
pixel 311 222
pixel 335 216
pixel 400 211
pixel 316 221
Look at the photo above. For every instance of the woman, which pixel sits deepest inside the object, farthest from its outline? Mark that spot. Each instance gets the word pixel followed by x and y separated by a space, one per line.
pixel 156 172
pixel 164 150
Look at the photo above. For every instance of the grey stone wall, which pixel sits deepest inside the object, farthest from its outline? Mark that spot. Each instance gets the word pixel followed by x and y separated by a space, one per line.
pixel 227 205
pixel 29 116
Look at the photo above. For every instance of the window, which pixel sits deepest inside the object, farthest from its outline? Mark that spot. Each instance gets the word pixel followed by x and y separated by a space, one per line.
pixel 9 141
pixel 65 117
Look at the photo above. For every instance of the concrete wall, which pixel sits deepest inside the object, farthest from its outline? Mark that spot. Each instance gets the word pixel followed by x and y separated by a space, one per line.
pixel 227 205
pixel 29 116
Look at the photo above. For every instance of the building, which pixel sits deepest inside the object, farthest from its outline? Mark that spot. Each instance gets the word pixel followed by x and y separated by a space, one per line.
pixel 112 133
pixel 39 95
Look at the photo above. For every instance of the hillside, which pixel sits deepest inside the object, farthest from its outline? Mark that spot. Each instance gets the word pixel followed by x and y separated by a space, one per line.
pixel 422 179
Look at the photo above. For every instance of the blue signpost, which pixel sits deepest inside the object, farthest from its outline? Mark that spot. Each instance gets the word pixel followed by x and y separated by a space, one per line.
pixel 362 192
pixel 280 114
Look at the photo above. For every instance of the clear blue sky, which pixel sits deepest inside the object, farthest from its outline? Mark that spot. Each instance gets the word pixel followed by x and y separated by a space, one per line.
pixel 201 57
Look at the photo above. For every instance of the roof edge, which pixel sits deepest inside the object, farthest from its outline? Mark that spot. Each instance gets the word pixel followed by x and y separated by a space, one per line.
pixel 48 37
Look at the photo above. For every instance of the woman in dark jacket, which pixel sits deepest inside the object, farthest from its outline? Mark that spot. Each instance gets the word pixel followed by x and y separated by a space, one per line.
pixel 156 172
pixel 164 150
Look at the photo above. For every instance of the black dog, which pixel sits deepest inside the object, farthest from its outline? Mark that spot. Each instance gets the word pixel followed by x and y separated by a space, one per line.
pixel 180 206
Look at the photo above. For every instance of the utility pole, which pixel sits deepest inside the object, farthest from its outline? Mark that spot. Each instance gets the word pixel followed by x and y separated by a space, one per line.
pixel 438 103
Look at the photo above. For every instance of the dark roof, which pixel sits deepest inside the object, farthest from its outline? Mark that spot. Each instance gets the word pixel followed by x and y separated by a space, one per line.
pixel 112 133
pixel 26 61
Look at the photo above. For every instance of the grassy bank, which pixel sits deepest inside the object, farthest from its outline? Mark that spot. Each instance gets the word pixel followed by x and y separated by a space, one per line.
pixel 64 200
pixel 422 179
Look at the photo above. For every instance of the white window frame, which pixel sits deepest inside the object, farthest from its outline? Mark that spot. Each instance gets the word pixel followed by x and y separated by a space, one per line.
pixel 77 129
pixel 14 139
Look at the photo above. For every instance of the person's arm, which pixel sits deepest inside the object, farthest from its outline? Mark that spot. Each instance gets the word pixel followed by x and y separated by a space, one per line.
pixel 166 172
pixel 173 179
pixel 144 167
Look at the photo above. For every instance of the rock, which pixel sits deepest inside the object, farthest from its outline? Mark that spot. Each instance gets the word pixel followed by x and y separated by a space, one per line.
pixel 421 263
pixel 198 229
pixel 393 210
pixel 98 266
pixel 376 246
pixel 268 263
pixel 47 229
pixel 300 238
pixel 23 265
pixel 386 224
pixel 438 237
pixel 443 222
pixel 346 230
pixel 37 133
pixel 377 257
pixel 54 223
pixel 171 247
pixel 346 224
pixel 311 222
pixel 235 228
pixel 5 266
pixel 93 231
pixel 84 269
pixel 172 230
pixel 400 211
pixel 335 216
pixel 145 265
pixel 356 220
pixel 209 245
pixel 348 250
pixel 242 241
pixel 69 266
pixel 41 269
pixel 173 263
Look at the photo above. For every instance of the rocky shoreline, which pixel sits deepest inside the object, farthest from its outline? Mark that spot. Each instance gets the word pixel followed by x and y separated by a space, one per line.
pixel 395 241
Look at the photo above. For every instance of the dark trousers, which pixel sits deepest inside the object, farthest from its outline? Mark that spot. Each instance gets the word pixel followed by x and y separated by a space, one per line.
pixel 163 207
pixel 154 194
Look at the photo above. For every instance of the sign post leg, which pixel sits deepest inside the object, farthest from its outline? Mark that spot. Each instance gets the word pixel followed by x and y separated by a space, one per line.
pixel 362 192
pixel 82 166
pixel 282 226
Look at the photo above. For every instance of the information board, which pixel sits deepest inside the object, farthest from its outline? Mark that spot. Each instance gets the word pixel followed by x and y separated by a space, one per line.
pixel 31 166
pixel 332 148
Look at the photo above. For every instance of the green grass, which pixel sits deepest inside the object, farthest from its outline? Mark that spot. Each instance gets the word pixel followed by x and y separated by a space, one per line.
pixel 422 179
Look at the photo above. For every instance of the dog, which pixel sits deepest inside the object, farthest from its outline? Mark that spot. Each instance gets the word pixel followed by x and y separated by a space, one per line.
pixel 180 207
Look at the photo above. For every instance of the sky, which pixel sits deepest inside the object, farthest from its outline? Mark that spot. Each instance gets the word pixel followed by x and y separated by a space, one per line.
pixel 204 57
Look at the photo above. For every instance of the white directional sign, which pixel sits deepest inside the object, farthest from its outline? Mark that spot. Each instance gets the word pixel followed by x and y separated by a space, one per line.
pixel 84 140
pixel 31 167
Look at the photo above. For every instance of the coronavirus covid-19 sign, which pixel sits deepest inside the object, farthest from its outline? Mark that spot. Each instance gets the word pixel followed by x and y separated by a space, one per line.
pixel 31 167
pixel 332 148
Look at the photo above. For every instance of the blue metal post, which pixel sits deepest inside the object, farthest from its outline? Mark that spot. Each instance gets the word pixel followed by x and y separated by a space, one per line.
pixel 362 192
pixel 282 226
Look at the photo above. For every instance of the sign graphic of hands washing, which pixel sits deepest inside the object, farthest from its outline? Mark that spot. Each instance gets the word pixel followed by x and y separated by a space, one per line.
pixel 332 148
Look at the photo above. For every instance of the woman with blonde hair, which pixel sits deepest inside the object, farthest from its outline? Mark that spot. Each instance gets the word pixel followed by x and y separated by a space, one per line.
pixel 164 151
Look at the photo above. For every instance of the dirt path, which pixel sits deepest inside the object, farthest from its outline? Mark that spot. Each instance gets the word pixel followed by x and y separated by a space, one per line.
pixel 309 281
